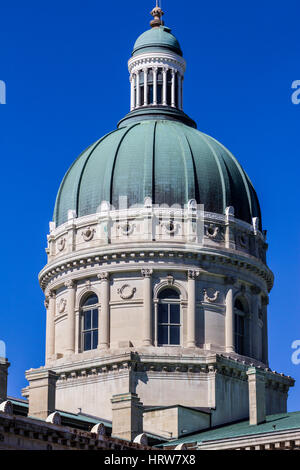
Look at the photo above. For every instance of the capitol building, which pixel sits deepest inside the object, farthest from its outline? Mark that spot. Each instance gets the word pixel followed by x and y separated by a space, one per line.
pixel 156 289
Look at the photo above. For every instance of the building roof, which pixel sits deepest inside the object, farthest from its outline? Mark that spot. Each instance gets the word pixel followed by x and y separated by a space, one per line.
pixel 156 39
pixel 166 160
pixel 278 422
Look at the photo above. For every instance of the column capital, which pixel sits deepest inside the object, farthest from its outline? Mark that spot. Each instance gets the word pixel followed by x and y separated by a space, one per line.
pixel 104 276
pixel 70 284
pixel 147 272
pixel 52 294
pixel 173 71
pixel 155 69
pixel 46 302
pixel 193 274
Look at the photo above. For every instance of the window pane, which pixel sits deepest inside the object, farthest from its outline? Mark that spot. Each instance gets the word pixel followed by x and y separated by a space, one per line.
pixel 91 300
pixel 169 294
pixel 163 313
pixel 87 320
pixel 175 313
pixel 95 318
pixel 87 341
pixel 174 335
pixel 95 339
pixel 162 335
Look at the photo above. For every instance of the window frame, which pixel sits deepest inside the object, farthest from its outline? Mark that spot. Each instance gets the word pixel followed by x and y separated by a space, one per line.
pixel 169 302
pixel 83 310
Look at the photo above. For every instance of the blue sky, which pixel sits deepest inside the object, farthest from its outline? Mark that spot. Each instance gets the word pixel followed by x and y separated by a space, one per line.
pixel 65 68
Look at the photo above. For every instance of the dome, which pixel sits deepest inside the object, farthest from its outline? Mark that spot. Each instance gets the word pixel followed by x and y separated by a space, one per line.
pixel 154 39
pixel 167 160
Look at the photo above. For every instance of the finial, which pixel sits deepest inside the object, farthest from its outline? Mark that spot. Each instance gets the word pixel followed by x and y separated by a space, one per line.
pixel 157 14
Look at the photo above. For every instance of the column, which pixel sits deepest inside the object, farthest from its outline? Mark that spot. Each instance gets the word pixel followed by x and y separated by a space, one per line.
pixel 255 333
pixel 264 304
pixel 104 317
pixel 145 87
pixel 173 98
pixel 165 70
pixel 154 85
pixel 50 328
pixel 138 89
pixel 147 333
pixel 229 319
pixel 191 311
pixel 132 100
pixel 71 286
pixel 179 84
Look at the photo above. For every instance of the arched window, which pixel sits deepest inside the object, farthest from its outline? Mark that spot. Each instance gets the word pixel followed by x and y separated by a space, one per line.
pixel 168 318
pixel 89 314
pixel 240 311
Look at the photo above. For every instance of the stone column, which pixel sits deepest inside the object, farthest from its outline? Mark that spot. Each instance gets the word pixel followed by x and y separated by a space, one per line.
pixel 147 334
pixel 138 89
pixel 255 291
pixel 154 85
pixel 4 365
pixel 145 86
pixel 191 310
pixel 127 416
pixel 257 396
pixel 71 286
pixel 179 84
pixel 264 304
pixel 50 325
pixel 104 316
pixel 165 70
pixel 229 228
pixel 173 88
pixel 229 319
pixel 132 100
pixel 42 385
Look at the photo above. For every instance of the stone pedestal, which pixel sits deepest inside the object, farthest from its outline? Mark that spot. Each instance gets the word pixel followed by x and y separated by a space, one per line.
pixel 127 416
pixel 4 365
pixel 257 396
pixel 42 385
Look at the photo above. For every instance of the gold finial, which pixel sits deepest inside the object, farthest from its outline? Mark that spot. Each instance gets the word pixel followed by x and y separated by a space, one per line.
pixel 157 14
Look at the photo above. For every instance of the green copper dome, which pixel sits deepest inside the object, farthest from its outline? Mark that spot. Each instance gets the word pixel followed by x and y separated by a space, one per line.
pixel 167 160
pixel 155 39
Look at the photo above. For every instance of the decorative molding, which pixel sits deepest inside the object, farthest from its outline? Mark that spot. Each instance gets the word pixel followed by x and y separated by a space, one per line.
pixel 208 298
pixel 103 276
pixel 69 284
pixel 62 305
pixel 126 291
pixel 193 274
pixel 61 244
pixel 46 302
pixel 88 234
pixel 212 231
pixel 147 272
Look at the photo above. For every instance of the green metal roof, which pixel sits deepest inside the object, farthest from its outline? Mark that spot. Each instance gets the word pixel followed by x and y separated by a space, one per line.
pixel 166 160
pixel 158 38
pixel 283 422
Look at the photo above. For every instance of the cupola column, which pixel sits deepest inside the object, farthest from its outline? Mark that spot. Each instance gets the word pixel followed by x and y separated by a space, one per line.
pixel 191 311
pixel 71 286
pixel 255 323
pixel 165 71
pixel 147 334
pixel 145 86
pixel 50 330
pixel 179 96
pixel 138 89
pixel 155 85
pixel 104 316
pixel 173 89
pixel 229 321
pixel 132 97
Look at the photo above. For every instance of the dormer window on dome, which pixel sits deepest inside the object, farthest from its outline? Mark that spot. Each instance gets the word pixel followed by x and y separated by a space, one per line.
pixel 156 67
